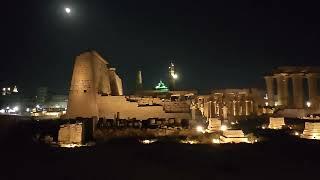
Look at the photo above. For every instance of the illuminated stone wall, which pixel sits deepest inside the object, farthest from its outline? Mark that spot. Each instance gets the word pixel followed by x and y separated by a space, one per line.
pixel 91 78
pixel 96 91
pixel 276 123
pixel 82 94
pixel 233 136
pixel 311 130
pixel 110 105
pixel 214 124
pixel 71 133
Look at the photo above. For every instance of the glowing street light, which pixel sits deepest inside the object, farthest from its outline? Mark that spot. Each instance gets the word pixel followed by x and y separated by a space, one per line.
pixel 200 129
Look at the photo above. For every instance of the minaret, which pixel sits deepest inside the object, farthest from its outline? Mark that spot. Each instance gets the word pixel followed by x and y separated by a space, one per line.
pixel 139 80
pixel 172 77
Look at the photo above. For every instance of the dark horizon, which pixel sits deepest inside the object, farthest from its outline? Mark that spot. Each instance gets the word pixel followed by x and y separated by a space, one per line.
pixel 214 44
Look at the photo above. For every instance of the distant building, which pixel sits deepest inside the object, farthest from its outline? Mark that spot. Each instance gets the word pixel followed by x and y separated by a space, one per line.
pixel 10 100
pixel 42 94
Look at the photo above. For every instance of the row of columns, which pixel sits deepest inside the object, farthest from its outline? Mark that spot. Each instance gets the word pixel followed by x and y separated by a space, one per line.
pixel 297 85
pixel 234 108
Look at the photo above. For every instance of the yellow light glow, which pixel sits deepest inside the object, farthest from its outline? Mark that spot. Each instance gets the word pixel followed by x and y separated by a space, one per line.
pixel 223 128
pixel 308 104
pixel 148 141
pixel 189 142
pixel 200 129
pixel 215 141
pixel 296 133
pixel 73 145
pixel 57 114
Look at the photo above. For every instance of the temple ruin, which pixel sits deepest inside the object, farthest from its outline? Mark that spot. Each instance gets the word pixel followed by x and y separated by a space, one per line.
pixel 96 91
pixel 230 103
pixel 297 75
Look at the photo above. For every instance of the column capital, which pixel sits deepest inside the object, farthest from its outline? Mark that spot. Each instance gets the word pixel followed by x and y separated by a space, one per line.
pixel 281 75
pixel 312 75
pixel 297 75
pixel 269 77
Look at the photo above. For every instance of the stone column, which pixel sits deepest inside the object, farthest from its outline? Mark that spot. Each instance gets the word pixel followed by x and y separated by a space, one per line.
pixel 251 107
pixel 215 108
pixel 210 109
pixel 282 89
pixel 269 85
pixel 225 112
pixel 312 86
pixel 297 85
pixel 247 107
pixel 234 107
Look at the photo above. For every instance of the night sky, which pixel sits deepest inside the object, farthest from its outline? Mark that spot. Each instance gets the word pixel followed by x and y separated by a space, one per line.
pixel 214 44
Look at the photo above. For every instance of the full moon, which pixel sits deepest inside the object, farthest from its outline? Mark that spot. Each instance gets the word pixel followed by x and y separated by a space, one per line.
pixel 68 10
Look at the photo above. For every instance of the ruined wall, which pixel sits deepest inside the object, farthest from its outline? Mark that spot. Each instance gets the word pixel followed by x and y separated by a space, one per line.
pixel 71 133
pixel 115 82
pixel 110 105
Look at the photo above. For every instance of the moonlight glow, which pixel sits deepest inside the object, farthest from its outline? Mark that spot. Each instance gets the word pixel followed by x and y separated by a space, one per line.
pixel 68 10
